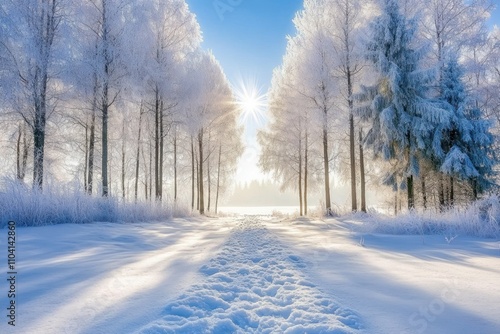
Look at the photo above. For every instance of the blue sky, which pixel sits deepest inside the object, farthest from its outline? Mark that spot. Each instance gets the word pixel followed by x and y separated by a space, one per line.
pixel 248 37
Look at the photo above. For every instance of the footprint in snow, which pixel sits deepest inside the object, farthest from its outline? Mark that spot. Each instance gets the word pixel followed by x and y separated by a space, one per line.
pixel 245 293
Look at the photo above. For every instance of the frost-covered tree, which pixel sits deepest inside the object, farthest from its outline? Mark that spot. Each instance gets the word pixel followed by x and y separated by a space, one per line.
pixel 103 22
pixel 402 119
pixel 210 103
pixel 287 143
pixel 453 25
pixel 174 33
pixel 467 142
pixel 347 23
pixel 30 37
pixel 314 59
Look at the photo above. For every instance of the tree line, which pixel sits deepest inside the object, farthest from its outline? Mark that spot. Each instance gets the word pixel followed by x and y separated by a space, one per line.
pixel 395 93
pixel 116 96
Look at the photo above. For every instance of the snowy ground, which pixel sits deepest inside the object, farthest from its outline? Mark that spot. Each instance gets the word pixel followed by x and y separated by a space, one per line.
pixel 250 275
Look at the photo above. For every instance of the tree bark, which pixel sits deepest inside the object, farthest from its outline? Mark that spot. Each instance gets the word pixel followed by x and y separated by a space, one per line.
pixel 46 32
pixel 452 191
pixel 326 165
pixel 90 171
pixel 151 171
pixel 354 204
pixel 306 171
pixel 157 145
pixel 197 185
pixel 22 153
pixel 218 179
pixel 123 159
pixel 200 172
pixel 105 101
pixel 209 181
pixel 162 141
pixel 104 162
pixel 411 197
pixel 424 192
pixel 137 155
pixel 192 174
pixel 86 155
pixel 175 165
pixel 362 171
pixel 300 178
pixel 441 193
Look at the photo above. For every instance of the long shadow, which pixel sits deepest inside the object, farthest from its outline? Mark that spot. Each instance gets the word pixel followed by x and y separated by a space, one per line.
pixel 390 301
pixel 254 285
pixel 86 282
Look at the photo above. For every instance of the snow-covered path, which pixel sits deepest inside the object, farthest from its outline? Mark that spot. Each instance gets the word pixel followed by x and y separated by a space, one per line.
pixel 254 285
pixel 251 274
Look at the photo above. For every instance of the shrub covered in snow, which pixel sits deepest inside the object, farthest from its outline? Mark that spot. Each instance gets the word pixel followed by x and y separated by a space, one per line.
pixel 481 219
pixel 60 205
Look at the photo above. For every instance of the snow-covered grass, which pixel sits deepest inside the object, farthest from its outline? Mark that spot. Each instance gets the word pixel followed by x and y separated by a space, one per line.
pixel 60 205
pixel 479 219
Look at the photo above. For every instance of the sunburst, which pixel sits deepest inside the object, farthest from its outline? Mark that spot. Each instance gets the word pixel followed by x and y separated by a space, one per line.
pixel 251 102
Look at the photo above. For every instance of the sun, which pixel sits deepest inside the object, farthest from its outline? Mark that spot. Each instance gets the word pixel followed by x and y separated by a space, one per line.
pixel 250 101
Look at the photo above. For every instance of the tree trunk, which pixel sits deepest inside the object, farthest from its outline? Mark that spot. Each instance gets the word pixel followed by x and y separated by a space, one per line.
pixel 411 197
pixel 200 172
pixel 157 145
pixel 218 179
pixel 90 176
pixel 452 191
pixel 44 38
pixel 441 193
pixel 396 202
pixel 192 174
pixel 354 204
pixel 326 166
pixel 22 153
pixel 146 176
pixel 209 182
pixel 105 101
pixel 175 165
pixel 151 171
pixel 137 155
pixel 104 163
pixel 39 139
pixel 123 159
pixel 300 178
pixel 362 171
pixel 86 156
pixel 162 141
pixel 474 189
pixel 306 171
pixel 424 192
pixel 197 184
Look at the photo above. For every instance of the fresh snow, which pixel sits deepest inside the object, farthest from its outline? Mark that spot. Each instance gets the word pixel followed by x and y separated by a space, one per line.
pixel 251 274
pixel 254 285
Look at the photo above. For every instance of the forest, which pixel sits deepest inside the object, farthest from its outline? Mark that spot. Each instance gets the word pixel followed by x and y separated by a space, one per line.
pixel 116 100
pixel 402 94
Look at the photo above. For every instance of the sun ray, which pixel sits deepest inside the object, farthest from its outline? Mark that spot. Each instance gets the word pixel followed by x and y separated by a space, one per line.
pixel 251 101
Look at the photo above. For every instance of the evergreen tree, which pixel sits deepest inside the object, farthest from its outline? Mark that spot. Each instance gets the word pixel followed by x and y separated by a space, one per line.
pixel 467 141
pixel 403 120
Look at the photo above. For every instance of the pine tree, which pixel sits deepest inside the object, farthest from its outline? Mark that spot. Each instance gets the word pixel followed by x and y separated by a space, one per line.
pixel 403 120
pixel 467 141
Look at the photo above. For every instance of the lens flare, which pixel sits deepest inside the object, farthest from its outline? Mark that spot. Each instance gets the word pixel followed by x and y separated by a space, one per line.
pixel 251 102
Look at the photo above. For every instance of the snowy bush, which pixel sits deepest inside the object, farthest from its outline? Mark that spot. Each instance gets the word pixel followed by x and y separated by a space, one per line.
pixel 60 205
pixel 481 219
